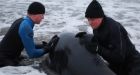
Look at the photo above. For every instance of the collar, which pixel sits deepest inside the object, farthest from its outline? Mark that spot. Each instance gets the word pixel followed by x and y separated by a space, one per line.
pixel 29 20
pixel 102 24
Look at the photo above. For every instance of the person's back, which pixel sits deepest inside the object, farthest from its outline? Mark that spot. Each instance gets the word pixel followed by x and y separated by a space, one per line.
pixel 11 45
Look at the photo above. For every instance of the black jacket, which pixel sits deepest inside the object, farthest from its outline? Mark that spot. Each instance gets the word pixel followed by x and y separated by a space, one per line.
pixel 116 48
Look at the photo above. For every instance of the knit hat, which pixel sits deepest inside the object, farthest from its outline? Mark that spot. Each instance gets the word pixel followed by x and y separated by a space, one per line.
pixel 94 10
pixel 36 8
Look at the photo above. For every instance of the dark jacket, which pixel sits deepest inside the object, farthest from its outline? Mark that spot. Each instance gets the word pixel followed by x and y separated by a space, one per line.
pixel 116 48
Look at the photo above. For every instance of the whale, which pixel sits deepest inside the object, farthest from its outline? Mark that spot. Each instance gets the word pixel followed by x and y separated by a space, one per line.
pixel 71 57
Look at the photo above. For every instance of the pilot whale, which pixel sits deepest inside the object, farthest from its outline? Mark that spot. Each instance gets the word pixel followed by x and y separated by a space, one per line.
pixel 70 57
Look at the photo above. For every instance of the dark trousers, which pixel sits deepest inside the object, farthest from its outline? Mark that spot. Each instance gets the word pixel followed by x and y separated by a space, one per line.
pixel 6 61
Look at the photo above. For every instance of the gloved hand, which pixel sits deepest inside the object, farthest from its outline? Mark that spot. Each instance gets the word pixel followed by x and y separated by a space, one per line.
pixel 44 43
pixel 92 46
pixel 80 34
pixel 46 48
pixel 90 42
pixel 51 45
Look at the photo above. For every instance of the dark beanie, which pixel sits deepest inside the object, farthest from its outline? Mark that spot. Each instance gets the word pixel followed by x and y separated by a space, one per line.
pixel 94 10
pixel 36 8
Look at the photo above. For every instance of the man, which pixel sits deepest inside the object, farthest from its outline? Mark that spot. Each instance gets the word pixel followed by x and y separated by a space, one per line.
pixel 20 35
pixel 113 42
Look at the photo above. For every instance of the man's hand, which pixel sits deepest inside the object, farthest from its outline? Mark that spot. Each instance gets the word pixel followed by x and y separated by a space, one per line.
pixel 51 45
pixel 80 34
pixel 90 45
pixel 44 43
pixel 46 48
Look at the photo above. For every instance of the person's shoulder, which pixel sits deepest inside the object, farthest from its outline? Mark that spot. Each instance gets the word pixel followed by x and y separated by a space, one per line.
pixel 25 24
pixel 20 19
pixel 112 22
pixel 17 21
pixel 25 21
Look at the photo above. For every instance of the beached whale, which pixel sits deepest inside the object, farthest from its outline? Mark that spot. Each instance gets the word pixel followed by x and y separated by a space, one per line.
pixel 70 57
